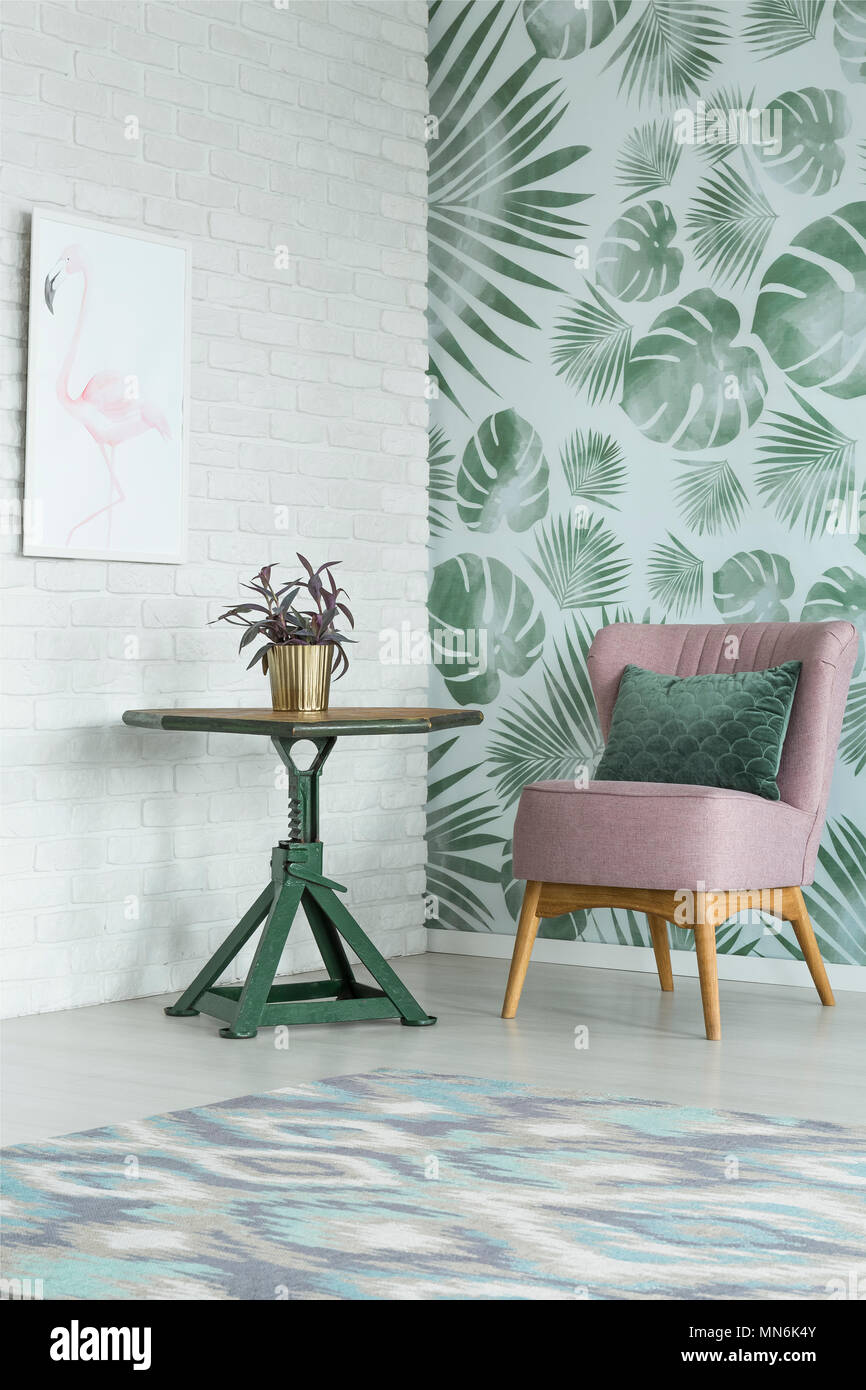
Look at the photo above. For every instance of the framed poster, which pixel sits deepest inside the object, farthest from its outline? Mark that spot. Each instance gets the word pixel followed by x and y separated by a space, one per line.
pixel 107 392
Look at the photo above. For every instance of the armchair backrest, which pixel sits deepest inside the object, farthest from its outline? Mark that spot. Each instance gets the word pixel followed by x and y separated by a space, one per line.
pixel 826 650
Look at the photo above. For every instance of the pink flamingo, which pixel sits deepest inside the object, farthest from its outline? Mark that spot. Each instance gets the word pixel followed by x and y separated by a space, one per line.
pixel 107 409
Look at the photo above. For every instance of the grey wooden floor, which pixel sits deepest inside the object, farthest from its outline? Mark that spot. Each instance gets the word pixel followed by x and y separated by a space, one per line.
pixel 782 1053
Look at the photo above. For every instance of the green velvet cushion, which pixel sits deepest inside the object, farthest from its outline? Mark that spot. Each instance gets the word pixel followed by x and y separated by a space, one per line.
pixel 708 731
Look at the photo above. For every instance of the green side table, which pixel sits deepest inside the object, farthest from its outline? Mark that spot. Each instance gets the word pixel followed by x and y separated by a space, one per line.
pixel 297 881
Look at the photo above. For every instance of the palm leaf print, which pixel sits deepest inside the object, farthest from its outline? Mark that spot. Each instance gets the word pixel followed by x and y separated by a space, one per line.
pixel 852 747
pixel 730 102
pixel 730 223
pixel 554 739
pixel 592 345
pixel 569 927
pixel 675 576
pixel 670 50
pixel 808 465
pixel 455 833
pixel 488 202
pixel 777 26
pixel 710 496
pixel 441 484
pixel 594 467
pixel 837 899
pixel 649 159
pixel 581 565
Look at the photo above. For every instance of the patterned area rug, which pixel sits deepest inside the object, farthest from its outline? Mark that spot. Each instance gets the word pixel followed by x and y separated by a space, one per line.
pixel 404 1185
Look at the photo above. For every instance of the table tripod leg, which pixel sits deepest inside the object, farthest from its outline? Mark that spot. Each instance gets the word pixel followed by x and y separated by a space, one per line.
pixel 330 946
pixel 211 972
pixel 335 911
pixel 254 994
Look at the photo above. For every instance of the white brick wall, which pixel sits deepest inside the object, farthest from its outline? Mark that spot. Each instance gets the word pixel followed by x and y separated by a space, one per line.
pixel 129 853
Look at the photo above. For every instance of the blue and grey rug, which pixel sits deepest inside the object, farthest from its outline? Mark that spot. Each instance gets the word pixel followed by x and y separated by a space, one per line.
pixel 405 1185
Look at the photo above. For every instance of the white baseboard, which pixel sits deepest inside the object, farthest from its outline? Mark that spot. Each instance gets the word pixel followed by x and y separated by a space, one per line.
pixel 756 969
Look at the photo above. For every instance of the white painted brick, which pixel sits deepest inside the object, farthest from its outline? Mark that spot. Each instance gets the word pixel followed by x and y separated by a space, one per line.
pixel 72 95
pixel 172 21
pixel 145 48
pixel 211 69
pixel 207 129
pixel 38 50
pixel 107 202
pixel 175 154
pixel 108 71
pixel 181 91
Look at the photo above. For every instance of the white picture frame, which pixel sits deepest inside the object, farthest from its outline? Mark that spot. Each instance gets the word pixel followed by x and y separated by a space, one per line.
pixel 108 398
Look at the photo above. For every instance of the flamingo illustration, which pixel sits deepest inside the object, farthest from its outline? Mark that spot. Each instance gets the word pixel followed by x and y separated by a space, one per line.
pixel 107 408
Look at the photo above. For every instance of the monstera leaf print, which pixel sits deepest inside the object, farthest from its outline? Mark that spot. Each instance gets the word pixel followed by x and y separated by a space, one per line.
pixel 503 476
pixel 457 842
pixel 807 157
pixel 561 29
pixel 811 311
pixel 636 259
pixel 555 737
pixel 490 204
pixel 569 927
pixel 685 383
pixel 670 50
pixel 839 593
pixel 777 26
pixel 482 623
pixel 749 587
pixel 849 37
pixel 837 899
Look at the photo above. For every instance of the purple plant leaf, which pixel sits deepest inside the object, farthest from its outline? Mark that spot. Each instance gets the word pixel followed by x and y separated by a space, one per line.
pixel 262 651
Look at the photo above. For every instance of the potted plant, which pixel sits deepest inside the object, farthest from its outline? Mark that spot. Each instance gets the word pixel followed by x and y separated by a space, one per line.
pixel 302 647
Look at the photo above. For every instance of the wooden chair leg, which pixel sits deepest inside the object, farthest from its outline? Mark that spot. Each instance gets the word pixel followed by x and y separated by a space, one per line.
pixel 705 947
pixel 805 935
pixel 662 950
pixel 527 928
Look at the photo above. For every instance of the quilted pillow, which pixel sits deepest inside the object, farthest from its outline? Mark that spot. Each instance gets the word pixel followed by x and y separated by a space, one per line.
pixel 709 731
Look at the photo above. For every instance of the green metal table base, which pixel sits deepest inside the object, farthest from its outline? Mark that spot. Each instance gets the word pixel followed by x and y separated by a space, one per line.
pixel 297 882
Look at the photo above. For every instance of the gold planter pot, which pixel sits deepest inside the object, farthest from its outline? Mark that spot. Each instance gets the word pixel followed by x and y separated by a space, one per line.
pixel 300 677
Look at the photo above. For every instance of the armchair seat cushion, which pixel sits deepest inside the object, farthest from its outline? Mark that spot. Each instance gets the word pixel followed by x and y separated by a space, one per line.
pixel 658 835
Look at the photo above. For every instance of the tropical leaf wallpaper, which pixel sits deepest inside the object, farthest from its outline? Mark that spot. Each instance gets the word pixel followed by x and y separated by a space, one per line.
pixel 648 377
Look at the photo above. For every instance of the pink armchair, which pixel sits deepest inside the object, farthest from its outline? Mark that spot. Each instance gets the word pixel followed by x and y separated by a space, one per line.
pixel 690 854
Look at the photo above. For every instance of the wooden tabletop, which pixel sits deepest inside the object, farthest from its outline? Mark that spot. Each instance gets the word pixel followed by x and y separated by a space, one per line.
pixel 299 724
